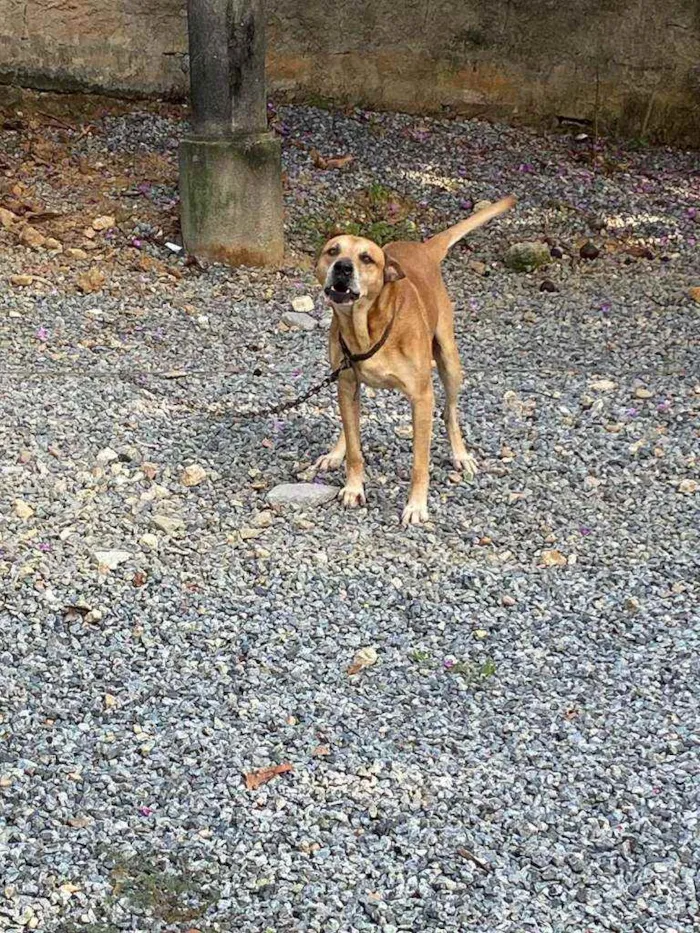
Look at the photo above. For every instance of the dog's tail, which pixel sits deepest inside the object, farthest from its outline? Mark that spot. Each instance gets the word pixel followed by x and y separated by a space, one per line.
pixel 439 245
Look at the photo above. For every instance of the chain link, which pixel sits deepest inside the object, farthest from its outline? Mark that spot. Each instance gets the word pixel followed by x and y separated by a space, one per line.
pixel 254 414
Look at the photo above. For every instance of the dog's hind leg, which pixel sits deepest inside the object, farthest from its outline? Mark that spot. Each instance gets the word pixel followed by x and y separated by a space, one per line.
pixel 447 359
pixel 422 402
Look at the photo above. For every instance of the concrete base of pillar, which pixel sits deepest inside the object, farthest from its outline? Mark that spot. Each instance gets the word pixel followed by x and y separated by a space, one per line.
pixel 231 199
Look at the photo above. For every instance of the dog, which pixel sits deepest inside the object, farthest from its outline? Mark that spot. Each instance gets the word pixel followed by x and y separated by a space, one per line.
pixel 392 316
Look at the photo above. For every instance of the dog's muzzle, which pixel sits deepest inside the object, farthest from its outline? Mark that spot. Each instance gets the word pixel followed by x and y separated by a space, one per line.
pixel 341 286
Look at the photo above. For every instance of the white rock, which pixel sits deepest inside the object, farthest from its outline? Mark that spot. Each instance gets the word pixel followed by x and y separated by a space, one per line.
pixel 149 541
pixel 304 303
pixel 107 455
pixel 193 475
pixel 299 319
pixel 111 559
pixel 171 525
pixel 303 495
pixel 602 385
pixel 23 510
pixel 263 519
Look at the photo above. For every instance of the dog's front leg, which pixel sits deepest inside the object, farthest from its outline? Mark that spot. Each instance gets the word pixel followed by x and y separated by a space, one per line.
pixel 353 493
pixel 334 458
pixel 422 412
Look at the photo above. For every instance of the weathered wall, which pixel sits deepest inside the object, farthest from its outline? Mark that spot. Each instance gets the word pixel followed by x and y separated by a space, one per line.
pixel 521 59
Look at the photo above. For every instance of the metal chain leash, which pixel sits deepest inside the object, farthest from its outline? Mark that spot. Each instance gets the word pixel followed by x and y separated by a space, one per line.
pixel 350 360
pixel 254 414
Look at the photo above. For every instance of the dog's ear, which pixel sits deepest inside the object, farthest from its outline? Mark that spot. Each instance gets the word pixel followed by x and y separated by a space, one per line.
pixel 392 271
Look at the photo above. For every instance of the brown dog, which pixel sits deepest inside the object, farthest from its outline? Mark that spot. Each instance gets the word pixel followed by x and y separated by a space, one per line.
pixel 396 294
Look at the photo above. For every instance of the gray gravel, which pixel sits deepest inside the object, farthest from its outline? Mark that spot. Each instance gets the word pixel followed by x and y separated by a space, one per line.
pixel 523 755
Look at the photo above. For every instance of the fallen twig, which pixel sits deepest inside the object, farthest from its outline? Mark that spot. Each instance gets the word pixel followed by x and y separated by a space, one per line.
pixel 465 853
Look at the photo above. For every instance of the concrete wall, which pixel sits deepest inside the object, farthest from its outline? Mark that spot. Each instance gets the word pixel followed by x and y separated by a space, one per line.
pixel 517 59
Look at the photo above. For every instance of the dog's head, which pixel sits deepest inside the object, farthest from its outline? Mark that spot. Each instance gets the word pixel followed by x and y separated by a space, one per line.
pixel 351 267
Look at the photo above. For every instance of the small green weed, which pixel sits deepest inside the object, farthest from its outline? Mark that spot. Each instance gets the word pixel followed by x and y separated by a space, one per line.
pixel 472 671
pixel 419 656
pixel 174 895
pixel 375 212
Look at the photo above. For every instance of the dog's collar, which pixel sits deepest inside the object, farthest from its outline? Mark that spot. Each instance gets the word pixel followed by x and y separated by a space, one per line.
pixel 353 358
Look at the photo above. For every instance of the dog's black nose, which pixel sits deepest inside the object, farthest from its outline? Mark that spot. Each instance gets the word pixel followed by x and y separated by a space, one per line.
pixel 343 267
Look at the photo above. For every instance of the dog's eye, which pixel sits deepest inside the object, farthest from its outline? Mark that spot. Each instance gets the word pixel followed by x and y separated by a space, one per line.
pixel 367 259
pixel 333 251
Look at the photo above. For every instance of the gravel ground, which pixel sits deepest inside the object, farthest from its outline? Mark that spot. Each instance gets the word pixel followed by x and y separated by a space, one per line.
pixel 522 754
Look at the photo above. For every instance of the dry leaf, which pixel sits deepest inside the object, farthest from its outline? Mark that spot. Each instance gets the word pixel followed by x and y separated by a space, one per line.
pixel 69 888
pixel 688 487
pixel 90 281
pixel 365 657
pixel 75 613
pixel 469 855
pixel 103 223
pixel 21 280
pixel 552 558
pixel 253 779
pixel 525 408
pixel 7 218
pixel 31 237
pixel 694 293
pixel 339 161
pixel 139 578
pixel 324 163
pixel 321 751
pixel 80 822
pixel 41 216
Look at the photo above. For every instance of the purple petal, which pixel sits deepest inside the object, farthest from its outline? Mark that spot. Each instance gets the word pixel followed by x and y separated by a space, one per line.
pixel 584 531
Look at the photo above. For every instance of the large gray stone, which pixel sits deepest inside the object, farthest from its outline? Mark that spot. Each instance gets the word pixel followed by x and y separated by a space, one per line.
pixel 299 319
pixel 302 495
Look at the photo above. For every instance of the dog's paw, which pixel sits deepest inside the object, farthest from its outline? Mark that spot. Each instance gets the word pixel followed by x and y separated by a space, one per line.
pixel 414 514
pixel 352 497
pixel 466 464
pixel 330 461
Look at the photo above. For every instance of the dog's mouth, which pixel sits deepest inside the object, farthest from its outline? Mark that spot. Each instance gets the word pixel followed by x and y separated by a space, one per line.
pixel 340 293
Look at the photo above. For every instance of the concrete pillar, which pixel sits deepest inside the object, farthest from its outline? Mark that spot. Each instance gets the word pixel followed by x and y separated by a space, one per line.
pixel 230 167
